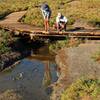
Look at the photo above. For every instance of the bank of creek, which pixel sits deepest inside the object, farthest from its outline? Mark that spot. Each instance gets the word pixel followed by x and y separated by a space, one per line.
pixel 36 77
pixel 31 78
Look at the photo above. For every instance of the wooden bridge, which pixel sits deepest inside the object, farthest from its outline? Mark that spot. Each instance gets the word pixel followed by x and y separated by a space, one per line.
pixel 12 24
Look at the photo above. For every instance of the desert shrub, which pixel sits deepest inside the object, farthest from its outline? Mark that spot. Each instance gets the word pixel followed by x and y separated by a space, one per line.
pixel 82 89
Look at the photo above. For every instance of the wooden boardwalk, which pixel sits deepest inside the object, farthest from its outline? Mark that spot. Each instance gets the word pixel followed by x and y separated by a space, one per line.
pixel 11 23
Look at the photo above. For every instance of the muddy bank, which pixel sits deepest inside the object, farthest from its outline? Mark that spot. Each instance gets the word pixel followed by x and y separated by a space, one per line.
pixel 73 63
pixel 9 58
pixel 62 83
pixel 31 78
pixel 6 60
pixel 19 49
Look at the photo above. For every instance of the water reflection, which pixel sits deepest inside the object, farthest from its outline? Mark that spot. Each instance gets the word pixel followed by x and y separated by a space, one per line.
pixel 50 70
pixel 32 76
pixel 47 74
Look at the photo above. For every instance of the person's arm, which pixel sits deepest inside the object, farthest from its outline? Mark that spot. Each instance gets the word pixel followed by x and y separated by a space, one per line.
pixel 57 22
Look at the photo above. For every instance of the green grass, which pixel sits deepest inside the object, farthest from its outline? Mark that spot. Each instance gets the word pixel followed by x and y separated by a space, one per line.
pixel 96 56
pixel 54 47
pixel 4 42
pixel 8 6
pixel 82 89
pixel 87 10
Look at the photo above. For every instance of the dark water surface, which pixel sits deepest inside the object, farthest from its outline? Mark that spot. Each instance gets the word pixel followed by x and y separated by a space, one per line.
pixel 32 76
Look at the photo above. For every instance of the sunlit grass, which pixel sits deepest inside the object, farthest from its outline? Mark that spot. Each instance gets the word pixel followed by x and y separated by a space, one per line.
pixel 83 89
pixel 58 45
pixel 87 10
pixel 4 40
pixel 96 56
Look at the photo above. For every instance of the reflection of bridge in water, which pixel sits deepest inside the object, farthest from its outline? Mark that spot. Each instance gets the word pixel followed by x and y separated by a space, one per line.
pixel 47 79
pixel 12 24
pixel 43 54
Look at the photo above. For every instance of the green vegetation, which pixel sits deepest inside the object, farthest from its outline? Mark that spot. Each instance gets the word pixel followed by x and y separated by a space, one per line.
pixel 8 6
pixel 11 94
pixel 83 89
pixel 47 79
pixel 5 41
pixel 87 10
pixel 5 38
pixel 96 56
pixel 80 10
pixel 77 10
pixel 54 47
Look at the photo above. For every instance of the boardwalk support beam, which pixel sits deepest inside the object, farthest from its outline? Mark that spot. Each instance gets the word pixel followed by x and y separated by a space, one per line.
pixel 31 36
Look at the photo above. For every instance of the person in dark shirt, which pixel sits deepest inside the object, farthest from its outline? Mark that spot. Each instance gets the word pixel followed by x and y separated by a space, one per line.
pixel 46 12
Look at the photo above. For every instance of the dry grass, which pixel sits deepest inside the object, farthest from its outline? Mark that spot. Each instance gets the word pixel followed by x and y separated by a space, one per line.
pixel 83 89
pixel 87 10
pixel 10 95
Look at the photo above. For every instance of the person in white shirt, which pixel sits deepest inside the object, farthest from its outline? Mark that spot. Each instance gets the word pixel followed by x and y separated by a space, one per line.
pixel 61 22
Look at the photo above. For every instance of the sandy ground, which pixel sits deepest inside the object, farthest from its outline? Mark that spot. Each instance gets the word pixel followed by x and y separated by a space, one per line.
pixel 81 63
pixel 76 62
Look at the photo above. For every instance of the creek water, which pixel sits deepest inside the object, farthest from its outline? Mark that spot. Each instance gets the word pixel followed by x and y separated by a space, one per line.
pixel 32 76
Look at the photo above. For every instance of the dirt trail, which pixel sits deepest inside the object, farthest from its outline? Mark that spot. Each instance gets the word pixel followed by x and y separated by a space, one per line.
pixel 13 17
pixel 11 22
pixel 81 62
pixel 76 62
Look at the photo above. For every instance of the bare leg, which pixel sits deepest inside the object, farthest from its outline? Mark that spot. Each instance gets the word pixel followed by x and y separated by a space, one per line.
pixel 45 24
pixel 58 27
pixel 48 25
pixel 63 26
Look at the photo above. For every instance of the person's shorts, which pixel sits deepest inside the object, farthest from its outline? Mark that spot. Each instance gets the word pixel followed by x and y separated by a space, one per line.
pixel 46 14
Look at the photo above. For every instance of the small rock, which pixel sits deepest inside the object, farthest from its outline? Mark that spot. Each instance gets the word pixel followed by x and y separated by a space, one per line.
pixel 21 75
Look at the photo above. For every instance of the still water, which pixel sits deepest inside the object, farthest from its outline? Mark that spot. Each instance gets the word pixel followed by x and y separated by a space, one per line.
pixel 32 76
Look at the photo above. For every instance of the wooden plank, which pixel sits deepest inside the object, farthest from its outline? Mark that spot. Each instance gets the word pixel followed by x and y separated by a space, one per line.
pixel 42 57
pixel 85 36
pixel 41 33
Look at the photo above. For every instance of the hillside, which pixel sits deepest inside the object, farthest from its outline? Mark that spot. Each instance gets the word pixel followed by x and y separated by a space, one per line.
pixel 84 11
